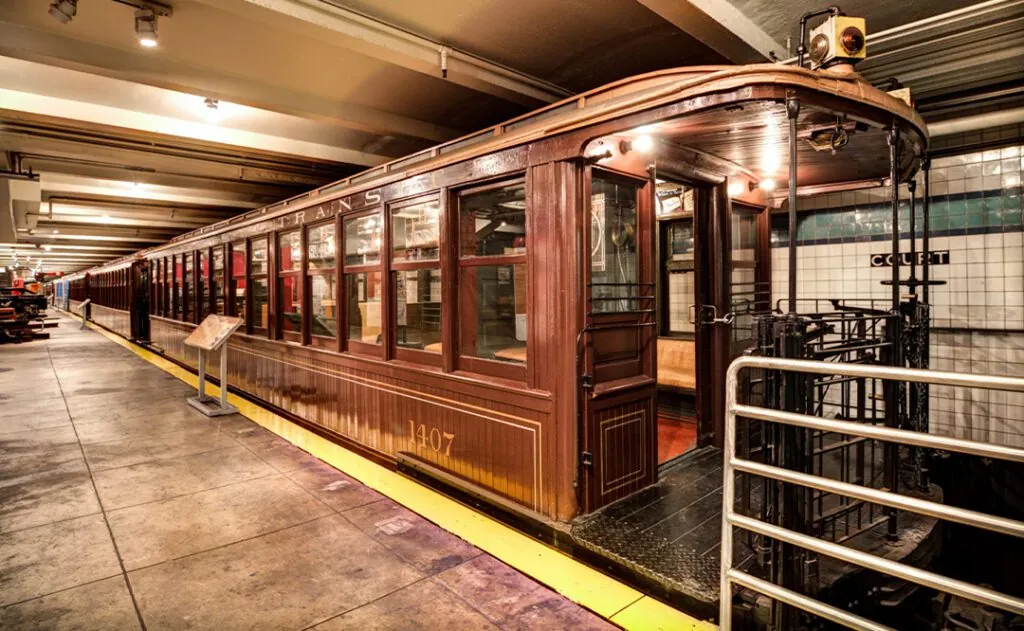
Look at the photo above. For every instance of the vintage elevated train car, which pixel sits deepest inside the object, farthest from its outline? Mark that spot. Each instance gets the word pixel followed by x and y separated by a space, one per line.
pixel 502 311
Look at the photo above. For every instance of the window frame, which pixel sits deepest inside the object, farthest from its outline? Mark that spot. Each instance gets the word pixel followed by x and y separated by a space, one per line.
pixel 348 345
pixel 320 341
pixel 232 288
pixel 390 286
pixel 295 337
pixel 469 363
pixel 218 290
pixel 250 298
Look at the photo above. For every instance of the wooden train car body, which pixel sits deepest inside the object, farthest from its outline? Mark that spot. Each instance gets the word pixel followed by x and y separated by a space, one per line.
pixel 491 308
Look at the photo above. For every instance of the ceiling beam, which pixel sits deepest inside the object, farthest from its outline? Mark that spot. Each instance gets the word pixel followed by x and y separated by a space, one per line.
pixel 66 185
pixel 78 145
pixel 57 50
pixel 382 41
pixel 83 110
pixel 721 27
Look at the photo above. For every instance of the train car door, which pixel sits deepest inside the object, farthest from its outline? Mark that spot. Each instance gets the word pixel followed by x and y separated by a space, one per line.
pixel 740 288
pixel 683 343
pixel 617 385
pixel 140 300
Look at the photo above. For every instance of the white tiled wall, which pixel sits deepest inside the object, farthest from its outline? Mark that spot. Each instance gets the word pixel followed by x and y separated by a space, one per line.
pixel 977 317
pixel 681 295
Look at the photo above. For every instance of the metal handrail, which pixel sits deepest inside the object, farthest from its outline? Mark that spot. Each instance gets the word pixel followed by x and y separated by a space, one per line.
pixel 732 464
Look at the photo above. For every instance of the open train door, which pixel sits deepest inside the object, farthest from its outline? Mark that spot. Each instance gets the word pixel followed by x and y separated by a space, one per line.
pixel 740 275
pixel 617 383
pixel 140 298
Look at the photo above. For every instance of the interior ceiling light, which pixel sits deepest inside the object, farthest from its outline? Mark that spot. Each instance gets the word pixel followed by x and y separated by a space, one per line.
pixel 145 27
pixel 735 188
pixel 64 10
pixel 767 184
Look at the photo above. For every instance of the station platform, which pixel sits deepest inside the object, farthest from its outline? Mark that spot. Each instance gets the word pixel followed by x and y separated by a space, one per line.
pixel 121 507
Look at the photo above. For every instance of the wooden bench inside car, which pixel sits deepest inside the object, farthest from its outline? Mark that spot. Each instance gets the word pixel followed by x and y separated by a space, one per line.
pixel 677 364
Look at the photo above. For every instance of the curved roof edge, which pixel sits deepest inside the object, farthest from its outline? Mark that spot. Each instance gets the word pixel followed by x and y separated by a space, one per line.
pixel 613 100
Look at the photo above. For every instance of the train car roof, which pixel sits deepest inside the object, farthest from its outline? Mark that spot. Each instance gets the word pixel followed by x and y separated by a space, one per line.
pixel 620 99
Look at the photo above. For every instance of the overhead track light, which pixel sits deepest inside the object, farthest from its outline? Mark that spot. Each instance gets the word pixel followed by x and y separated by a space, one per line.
pixel 145 27
pixel 64 10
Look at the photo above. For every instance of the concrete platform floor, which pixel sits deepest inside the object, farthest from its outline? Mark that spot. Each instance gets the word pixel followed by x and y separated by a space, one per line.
pixel 123 508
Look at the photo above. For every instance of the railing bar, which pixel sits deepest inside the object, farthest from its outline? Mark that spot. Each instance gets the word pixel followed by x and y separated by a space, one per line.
pixel 809 605
pixel 888 434
pixel 914 375
pixel 875 496
pixel 899 570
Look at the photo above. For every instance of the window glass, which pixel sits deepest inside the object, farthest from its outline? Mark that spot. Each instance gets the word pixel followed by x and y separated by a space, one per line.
pixel 260 303
pixel 258 264
pixel 675 198
pixel 415 231
pixel 363 294
pixel 289 251
pixel 418 309
pixel 190 288
pixel 320 247
pixel 613 257
pixel 363 240
pixel 493 312
pixel 290 303
pixel 323 308
pixel 217 285
pixel 203 297
pixel 493 222
pixel 238 278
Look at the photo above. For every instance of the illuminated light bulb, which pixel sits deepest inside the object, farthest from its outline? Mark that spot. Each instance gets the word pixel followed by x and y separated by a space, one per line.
pixel 735 189
pixel 643 143
pixel 767 184
pixel 47 247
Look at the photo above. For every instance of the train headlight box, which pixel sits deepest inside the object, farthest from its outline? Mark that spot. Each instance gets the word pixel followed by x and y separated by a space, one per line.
pixel 838 40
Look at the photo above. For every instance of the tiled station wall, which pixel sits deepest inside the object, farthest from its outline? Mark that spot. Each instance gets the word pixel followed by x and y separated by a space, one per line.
pixel 977 317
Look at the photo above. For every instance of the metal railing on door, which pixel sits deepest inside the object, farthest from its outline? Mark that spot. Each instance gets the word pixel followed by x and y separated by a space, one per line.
pixel 730 518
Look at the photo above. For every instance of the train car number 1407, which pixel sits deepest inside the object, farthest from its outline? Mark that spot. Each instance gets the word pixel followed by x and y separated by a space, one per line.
pixel 434 438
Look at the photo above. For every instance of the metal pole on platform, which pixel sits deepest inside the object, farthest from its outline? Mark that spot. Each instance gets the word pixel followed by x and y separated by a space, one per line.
pixel 224 376
pixel 202 375
pixel 792 112
pixel 926 169
pixel 894 180
pixel 912 187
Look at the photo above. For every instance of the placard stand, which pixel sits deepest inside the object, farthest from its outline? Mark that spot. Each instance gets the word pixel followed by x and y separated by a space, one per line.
pixel 83 308
pixel 209 336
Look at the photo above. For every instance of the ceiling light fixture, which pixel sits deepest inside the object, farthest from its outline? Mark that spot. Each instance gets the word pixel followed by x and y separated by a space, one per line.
pixel 735 189
pixel 145 27
pixel 64 10
pixel 766 184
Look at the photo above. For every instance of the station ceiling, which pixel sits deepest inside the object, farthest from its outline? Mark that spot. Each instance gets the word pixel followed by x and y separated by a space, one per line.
pixel 246 102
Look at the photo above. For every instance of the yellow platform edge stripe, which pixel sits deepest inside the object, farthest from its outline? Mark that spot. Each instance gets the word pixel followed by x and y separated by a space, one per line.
pixel 602 594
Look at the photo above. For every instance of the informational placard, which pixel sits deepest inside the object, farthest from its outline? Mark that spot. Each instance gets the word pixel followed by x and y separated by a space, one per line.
pixel 213 332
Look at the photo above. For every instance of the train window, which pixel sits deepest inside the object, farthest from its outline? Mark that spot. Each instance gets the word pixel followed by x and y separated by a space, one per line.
pixel 415 231
pixel 418 309
pixel 179 291
pixel 492 221
pixel 363 240
pixel 189 283
pixel 614 268
pixel 258 268
pixel 362 280
pixel 203 287
pixel 320 261
pixel 363 295
pixel 237 275
pixel 217 281
pixel 289 252
pixel 289 284
pixel 416 278
pixel 492 319
pixel 258 265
